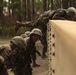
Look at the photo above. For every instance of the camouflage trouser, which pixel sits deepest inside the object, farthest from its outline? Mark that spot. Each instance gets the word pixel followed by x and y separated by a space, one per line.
pixel 44 43
pixel 33 54
pixel 19 71
pixel 3 71
pixel 28 69
pixel 23 68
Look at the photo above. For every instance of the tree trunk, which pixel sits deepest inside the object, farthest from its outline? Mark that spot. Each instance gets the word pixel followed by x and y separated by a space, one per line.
pixel 33 10
pixel 2 17
pixel 13 10
pixel 9 7
pixel 24 10
pixel 19 13
pixel 60 4
pixel 48 4
pixel 57 4
pixel 72 3
pixel 65 4
pixel 23 7
pixel 1 9
pixel 28 10
pixel 51 4
pixel 44 5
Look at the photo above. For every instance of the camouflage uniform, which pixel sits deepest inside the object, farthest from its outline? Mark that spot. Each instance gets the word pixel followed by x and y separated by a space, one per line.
pixel 43 19
pixel 61 14
pixel 5 50
pixel 29 48
pixel 34 51
pixel 3 70
pixel 28 69
pixel 33 56
pixel 16 56
pixel 65 14
pixel 42 24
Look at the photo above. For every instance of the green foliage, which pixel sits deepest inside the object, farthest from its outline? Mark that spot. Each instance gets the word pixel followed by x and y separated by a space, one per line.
pixel 9 28
pixel 10 31
pixel 57 4
pixel 38 5
pixel 15 5
pixel 4 4
pixel 22 30
pixel 18 9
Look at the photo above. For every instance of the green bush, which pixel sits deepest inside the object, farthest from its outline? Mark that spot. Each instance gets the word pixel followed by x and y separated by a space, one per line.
pixel 22 30
pixel 10 31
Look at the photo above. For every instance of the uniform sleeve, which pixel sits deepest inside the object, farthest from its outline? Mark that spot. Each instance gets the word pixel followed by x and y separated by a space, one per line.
pixel 38 53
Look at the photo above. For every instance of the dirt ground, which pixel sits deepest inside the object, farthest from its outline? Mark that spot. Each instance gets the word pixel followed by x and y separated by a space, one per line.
pixel 43 69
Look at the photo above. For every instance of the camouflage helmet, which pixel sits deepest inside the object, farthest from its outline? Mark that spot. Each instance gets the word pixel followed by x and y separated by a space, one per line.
pixel 27 33
pixel 18 41
pixel 71 11
pixel 36 31
pixel 46 13
pixel 23 35
pixel 1 60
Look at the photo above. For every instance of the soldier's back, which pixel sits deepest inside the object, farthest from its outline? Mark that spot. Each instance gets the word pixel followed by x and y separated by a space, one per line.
pixel 60 14
pixel 5 49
